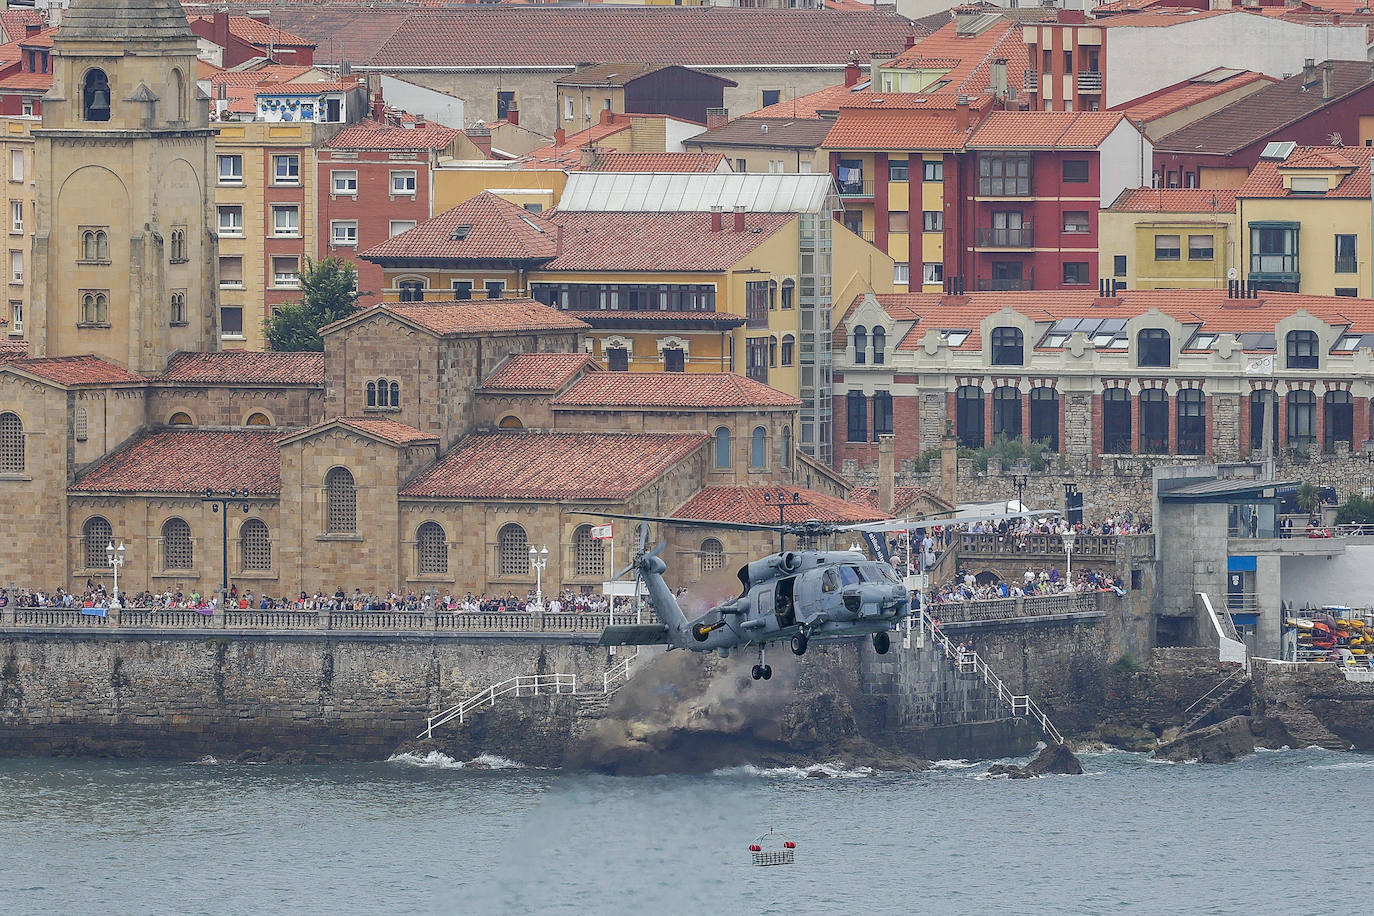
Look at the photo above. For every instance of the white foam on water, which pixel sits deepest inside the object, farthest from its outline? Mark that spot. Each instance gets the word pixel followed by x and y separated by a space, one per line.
pixel 209 760
pixel 434 759
pixel 811 771
pixel 959 764
pixel 1364 763
pixel 494 762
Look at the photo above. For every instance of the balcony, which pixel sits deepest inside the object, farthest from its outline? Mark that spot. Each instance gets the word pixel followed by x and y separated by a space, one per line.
pixel 1018 237
pixel 1031 81
pixel 1345 265
pixel 1003 284
pixel 1089 81
pixel 860 188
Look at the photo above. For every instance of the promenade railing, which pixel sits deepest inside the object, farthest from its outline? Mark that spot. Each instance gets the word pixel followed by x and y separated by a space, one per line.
pixel 1036 545
pixel 1025 608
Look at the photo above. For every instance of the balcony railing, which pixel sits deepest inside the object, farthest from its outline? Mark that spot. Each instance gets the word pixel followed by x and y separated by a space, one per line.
pixel 1031 81
pixel 1089 81
pixel 1345 265
pixel 1037 545
pixel 1018 237
pixel 861 188
pixel 1003 284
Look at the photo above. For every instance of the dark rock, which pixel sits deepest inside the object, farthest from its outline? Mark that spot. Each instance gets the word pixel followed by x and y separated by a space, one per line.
pixel 1053 760
pixel 1127 737
pixel 1009 770
pixel 1218 743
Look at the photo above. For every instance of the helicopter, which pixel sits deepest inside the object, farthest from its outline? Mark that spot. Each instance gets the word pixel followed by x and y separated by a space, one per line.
pixel 791 595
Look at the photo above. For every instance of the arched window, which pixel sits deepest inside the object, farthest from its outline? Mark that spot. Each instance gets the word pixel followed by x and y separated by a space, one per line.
pixel 96 535
pixel 180 418
pixel 789 349
pixel 255 546
pixel 177 248
pixel 371 394
pixel 1192 422
pixel 176 544
pixel 1264 404
pixel 95 96
pixel 395 394
pixel 589 558
pixel 82 424
pixel 879 346
pixel 1044 416
pixel 178 308
pixel 89 246
pixel 95 308
pixel 758 448
pixel 511 423
pixel 785 452
pixel 968 415
pixel 512 548
pixel 11 443
pixel 383 393
pixel 860 344
pixel 412 290
pixel 259 419
pixel 882 414
pixel 1152 347
pixel 1302 418
pixel 1154 422
pixel 773 352
pixel 1116 421
pixel 789 289
pixel 712 555
pixel 1008 347
pixel 341 502
pixel 856 412
pixel 1302 349
pixel 1340 420
pixel 431 550
pixel 102 245
pixel 178 96
pixel 1006 412
pixel 723 458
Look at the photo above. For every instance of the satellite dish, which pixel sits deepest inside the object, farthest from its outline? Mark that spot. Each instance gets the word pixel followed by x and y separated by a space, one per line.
pixel 1232 273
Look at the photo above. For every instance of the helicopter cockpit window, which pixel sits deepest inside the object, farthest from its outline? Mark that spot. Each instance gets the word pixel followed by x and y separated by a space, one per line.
pixel 850 575
pixel 887 572
pixel 829 581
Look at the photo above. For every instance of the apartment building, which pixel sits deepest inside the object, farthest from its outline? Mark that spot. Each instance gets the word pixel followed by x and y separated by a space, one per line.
pixel 1168 238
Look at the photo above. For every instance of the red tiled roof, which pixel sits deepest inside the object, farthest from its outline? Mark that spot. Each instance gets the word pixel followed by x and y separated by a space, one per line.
pixel 608 74
pixel 35 82
pixel 655 162
pixel 1266 178
pixel 569 152
pixel 477 317
pixel 689 390
pixel 1175 200
pixel 342 31
pixel 522 465
pixel 496 229
pixel 14 21
pixel 266 75
pixel 968 58
pixel 76 370
pixel 781 133
pixel 538 371
pixel 1159 18
pixel 746 504
pixel 634 241
pixel 244 367
pixel 902 497
pixel 810 105
pixel 873 129
pixel 382 428
pixel 189 461
pixel 1190 92
pixel 13 349
pixel 262 34
pixel 479 36
pixel 1045 129
pixel 375 135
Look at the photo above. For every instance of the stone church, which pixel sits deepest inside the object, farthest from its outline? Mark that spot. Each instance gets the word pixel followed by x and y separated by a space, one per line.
pixel 429 446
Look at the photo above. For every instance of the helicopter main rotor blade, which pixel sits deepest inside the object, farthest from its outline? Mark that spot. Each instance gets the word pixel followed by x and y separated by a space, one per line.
pixel 696 522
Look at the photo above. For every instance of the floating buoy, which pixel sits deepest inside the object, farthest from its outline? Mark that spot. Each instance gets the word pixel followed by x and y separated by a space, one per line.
pixel 780 853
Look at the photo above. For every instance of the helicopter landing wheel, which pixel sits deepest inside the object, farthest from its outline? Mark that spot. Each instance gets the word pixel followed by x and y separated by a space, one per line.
pixel 767 672
pixel 756 672
pixel 882 642
pixel 799 642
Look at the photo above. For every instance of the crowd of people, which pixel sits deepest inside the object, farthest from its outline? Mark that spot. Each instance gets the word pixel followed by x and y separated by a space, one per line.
pixel 1015 534
pixel 1033 584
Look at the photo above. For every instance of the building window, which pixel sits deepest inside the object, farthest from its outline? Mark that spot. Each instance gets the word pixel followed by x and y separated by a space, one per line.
pixel 1075 170
pixel 1274 250
pixel 286 272
pixel 771 97
pixel 901 273
pixel 462 290
pixel 177 551
pixel 255 546
pixel 758 448
pixel 1075 273
pixel 1302 350
pixel 785 451
pixel 589 557
pixel 1119 265
pixel 882 414
pixel 286 220
pixel 723 458
pixel 11 443
pixel 618 359
pixel 344 183
pixel 95 96
pixel 286 169
pixel 856 409
pixel 397 226
pixel 230 170
pixel 1340 420
pixel 431 550
pixel 1116 421
pixel 1264 406
pixel 789 349
pixel 95 308
pixel 674 359
pixel 341 502
pixel 1302 418
pixel 512 550
pixel 258 419
pixel 1166 248
pixel 180 418
pixel 178 309
pixel 1044 416
pixel 411 290
pixel 403 183
pixel 344 231
pixel 879 346
pixel 1345 254
pixel 933 170
pixel 495 289
pixel 932 272
pixel 1201 248
pixel 898 169
pixel 712 555
pixel 1004 174
pixel 505 101
pixel 96 535
pixel 789 292
pixel 898 221
pixel 16 317
pixel 1154 422
pixel 1076 221
pixel 932 220
pixel 17 216
pixel 1008 347
pixel 16 267
pixel 860 345
pixel 177 248
pixel 968 416
pixel 1006 412
pixel 382 393
pixel 95 245
pixel 1348 292
pixel 1153 349
pixel 16 165
pixel 231 221
pixel 231 321
pixel 1192 422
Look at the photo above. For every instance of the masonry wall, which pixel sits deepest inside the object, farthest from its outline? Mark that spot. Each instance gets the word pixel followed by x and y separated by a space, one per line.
pixel 30 501
pixel 225 406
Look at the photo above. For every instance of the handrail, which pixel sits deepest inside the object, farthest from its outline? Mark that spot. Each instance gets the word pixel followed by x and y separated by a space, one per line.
pixel 530 682
pixel 1217 688
pixel 620 672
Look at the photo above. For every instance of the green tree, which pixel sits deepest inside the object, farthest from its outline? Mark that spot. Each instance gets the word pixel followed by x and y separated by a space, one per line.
pixel 1308 497
pixel 1358 510
pixel 329 292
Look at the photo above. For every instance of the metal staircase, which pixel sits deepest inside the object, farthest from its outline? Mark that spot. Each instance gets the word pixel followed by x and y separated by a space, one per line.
pixel 1211 701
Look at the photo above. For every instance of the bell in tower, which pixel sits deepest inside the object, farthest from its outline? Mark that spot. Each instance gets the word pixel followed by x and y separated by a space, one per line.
pixel 96 96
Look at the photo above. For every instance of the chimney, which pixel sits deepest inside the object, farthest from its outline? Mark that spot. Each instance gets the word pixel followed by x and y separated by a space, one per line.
pixel 219 29
pixel 558 243
pixel 587 158
pixel 852 72
pixel 262 16
pixel 480 135
pixel 513 114
pixel 739 218
pixel 961 115
pixel 997 78
pixel 32 28
pixel 345 69
pixel 378 106
pixel 607 116
pixel 1309 72
pixel 1328 81
pixel 716 220
pixel 559 137
pixel 910 41
pixel 887 473
pixel 949 464
pixel 717 117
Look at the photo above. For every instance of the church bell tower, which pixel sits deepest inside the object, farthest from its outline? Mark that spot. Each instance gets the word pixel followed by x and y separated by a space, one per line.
pixel 125 251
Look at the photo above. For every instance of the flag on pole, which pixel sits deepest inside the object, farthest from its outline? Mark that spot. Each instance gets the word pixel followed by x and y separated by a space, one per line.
pixel 603 532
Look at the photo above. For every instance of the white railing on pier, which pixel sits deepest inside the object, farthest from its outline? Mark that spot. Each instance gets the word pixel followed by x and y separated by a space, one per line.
pixel 968 661
pixel 615 677
pixel 528 685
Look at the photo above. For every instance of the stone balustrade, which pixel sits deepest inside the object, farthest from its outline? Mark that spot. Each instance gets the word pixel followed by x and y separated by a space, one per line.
pixel 1036 545
pixel 999 609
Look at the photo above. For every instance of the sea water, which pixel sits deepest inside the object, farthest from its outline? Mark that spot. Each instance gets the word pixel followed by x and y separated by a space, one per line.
pixel 1278 832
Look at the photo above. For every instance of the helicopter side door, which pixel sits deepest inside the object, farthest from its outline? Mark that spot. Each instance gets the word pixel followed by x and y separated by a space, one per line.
pixel 784 602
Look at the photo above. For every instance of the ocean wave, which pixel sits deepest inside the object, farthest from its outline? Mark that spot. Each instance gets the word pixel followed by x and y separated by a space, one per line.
pixel 1170 762
pixel 1363 763
pixel 957 764
pixel 209 760
pixel 811 771
pixel 440 761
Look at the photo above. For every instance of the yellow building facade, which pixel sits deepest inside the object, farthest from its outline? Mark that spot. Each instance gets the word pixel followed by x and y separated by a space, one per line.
pixel 17 159
pixel 1168 238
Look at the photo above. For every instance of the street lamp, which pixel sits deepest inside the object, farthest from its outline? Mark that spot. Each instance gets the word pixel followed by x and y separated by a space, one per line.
pixel 1069 538
pixel 1020 477
pixel 217 502
pixel 115 557
pixel 539 560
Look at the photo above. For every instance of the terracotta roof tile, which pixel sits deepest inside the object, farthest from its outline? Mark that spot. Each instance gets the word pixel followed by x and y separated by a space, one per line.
pixel 371 135
pixel 13 349
pixel 799 133
pixel 76 370
pixel 672 389
pixel 636 241
pixel 382 428
pixel 522 465
pixel 1266 178
pixel 243 367
pixel 569 152
pixel 14 21
pixel 261 34
pixel 189 461
pixel 902 497
pixel 38 83
pixel 1190 92
pixel 538 371
pixel 608 74
pixel 342 31
pixel 479 317
pixel 1175 200
pixel 655 162
pixel 1045 129
pixel 967 59
pixel 861 128
pixel 746 504
pixel 1160 18
pixel 491 228
pixel 810 105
